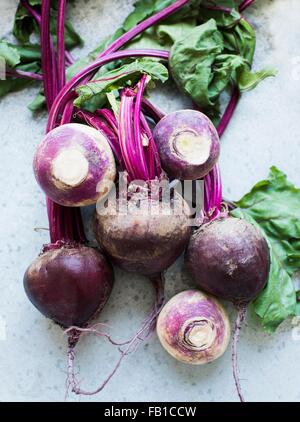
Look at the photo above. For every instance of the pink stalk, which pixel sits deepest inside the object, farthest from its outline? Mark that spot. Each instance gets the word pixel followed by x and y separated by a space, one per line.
pixel 245 4
pixel 230 109
pixel 17 73
pixel 111 136
pixel 109 116
pixel 36 16
pixel 31 11
pixel 67 113
pixel 61 61
pixel 65 223
pixel 213 182
pixel 138 130
pixel 153 20
pixel 48 62
pixel 126 135
pixel 153 155
pixel 69 58
pixel 151 110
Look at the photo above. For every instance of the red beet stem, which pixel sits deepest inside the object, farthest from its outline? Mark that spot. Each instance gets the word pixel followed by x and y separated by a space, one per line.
pixel 245 4
pixel 151 110
pixel 153 20
pixel 230 109
pixel 46 52
pixel 65 224
pixel 17 73
pixel 126 135
pixel 140 159
pixel 61 54
pixel 153 157
pixel 213 181
pixel 109 116
pixel 104 127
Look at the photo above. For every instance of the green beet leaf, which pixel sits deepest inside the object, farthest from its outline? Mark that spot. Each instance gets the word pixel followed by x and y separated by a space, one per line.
pixel 203 68
pixel 274 205
pixel 126 75
pixel 248 80
pixel 9 54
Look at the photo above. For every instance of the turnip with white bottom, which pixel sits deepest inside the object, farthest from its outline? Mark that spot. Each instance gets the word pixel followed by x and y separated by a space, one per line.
pixel 74 165
pixel 188 144
pixel 194 328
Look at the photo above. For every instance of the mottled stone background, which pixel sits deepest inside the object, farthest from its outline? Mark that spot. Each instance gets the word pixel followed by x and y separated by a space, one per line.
pixel 264 132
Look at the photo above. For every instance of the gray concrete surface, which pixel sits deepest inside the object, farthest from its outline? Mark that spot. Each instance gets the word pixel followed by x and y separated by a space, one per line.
pixel 264 132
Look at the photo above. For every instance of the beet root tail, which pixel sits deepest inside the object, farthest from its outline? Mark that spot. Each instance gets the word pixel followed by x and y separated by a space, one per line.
pixel 125 348
pixel 241 316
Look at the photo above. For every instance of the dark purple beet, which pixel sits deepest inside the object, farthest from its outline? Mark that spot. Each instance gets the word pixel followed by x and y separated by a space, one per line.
pixel 144 243
pixel 230 259
pixel 69 285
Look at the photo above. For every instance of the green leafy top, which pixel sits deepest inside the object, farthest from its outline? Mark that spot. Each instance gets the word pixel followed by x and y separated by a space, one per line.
pixel 274 205
pixel 232 44
pixel 9 54
pixel 124 76
pixel 203 64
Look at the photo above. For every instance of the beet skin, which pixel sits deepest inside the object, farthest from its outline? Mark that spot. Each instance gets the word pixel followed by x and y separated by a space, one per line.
pixel 143 243
pixel 230 259
pixel 69 285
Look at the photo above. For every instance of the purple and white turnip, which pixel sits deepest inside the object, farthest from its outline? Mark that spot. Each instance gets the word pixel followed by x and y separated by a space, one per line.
pixel 74 165
pixel 188 144
pixel 194 328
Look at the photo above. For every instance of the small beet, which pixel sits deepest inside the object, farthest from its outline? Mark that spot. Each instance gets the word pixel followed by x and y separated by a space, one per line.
pixel 188 144
pixel 230 259
pixel 69 285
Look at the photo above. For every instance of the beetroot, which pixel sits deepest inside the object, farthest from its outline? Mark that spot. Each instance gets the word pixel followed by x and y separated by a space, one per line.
pixel 69 285
pixel 188 144
pixel 144 242
pixel 229 258
pixel 194 328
